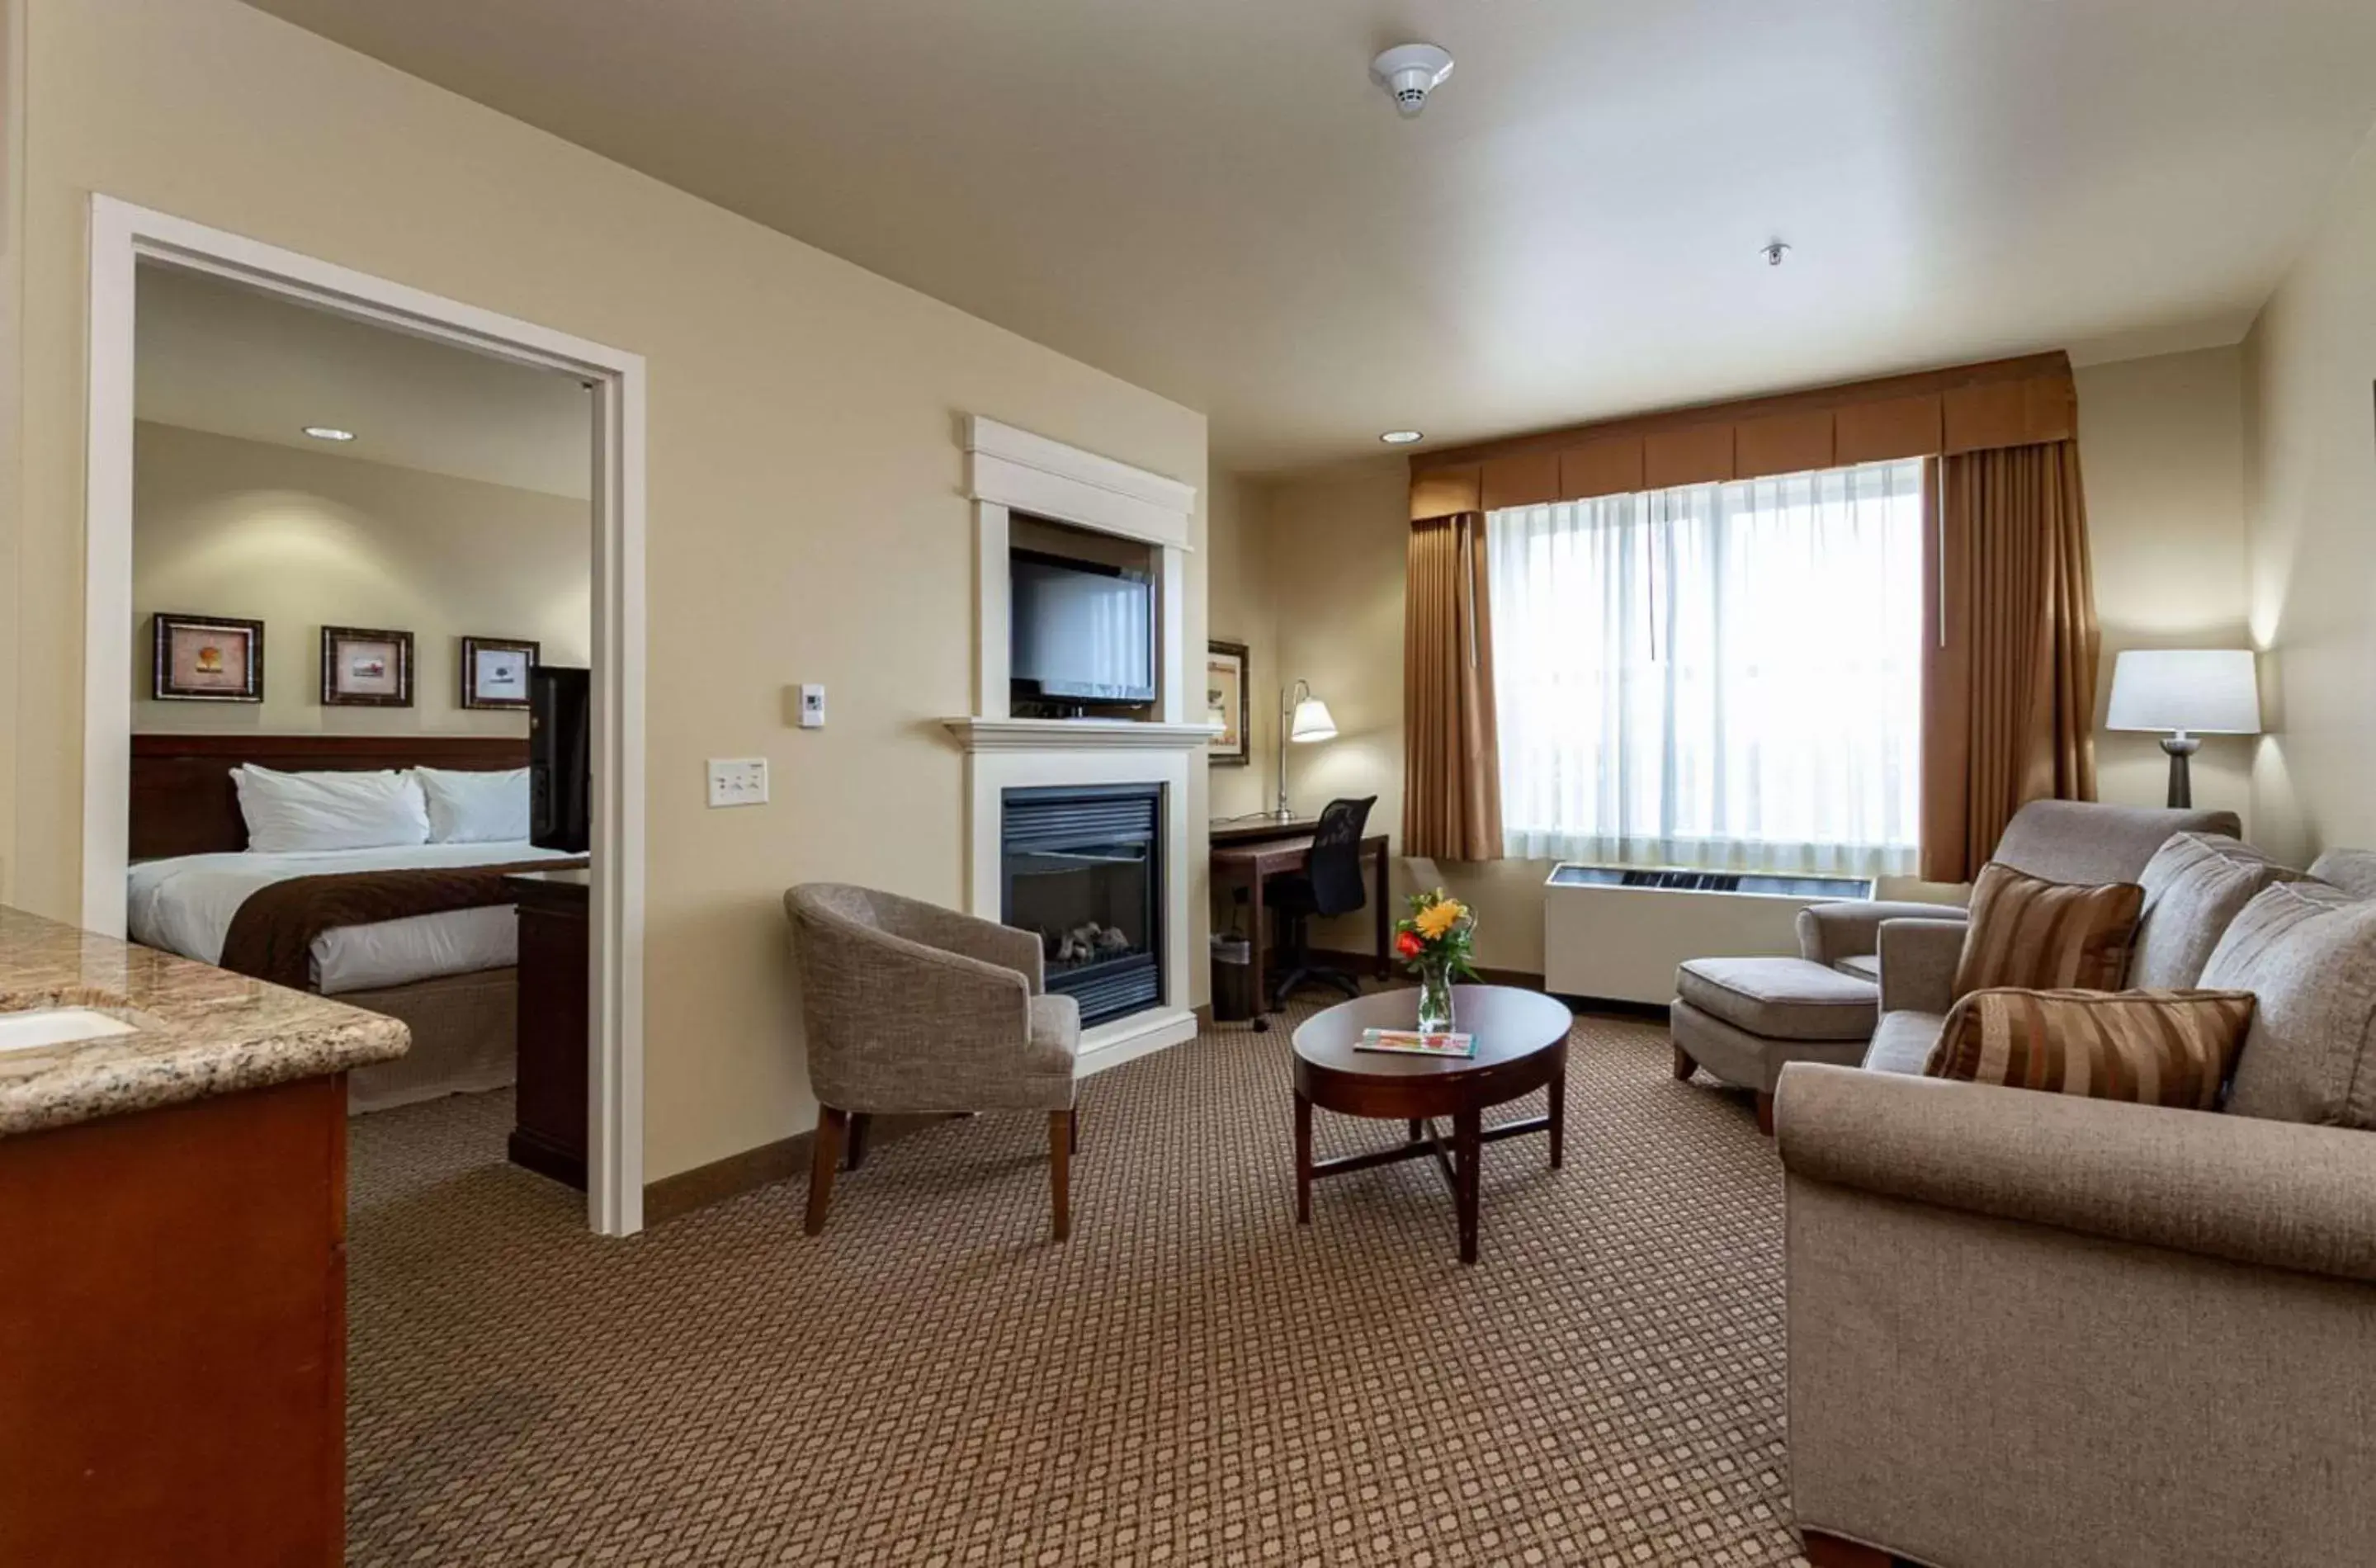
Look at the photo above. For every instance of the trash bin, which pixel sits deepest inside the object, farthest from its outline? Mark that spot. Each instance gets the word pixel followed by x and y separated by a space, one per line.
pixel 1234 978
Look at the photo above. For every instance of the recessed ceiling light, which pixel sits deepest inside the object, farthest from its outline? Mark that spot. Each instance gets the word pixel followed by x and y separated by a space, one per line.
pixel 328 432
pixel 1399 437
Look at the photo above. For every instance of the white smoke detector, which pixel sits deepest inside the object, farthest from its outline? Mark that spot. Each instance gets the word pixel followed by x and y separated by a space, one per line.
pixel 1410 72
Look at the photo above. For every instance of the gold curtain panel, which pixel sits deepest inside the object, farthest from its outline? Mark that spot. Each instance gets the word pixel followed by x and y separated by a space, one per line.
pixel 2010 654
pixel 1452 769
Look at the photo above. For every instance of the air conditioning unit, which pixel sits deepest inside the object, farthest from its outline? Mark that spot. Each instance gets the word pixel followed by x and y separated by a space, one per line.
pixel 1618 931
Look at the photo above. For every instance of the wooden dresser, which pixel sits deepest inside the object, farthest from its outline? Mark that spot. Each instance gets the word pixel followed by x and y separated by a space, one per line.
pixel 548 1132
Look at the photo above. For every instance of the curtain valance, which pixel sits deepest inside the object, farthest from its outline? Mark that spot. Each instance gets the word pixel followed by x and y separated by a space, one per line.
pixel 2020 402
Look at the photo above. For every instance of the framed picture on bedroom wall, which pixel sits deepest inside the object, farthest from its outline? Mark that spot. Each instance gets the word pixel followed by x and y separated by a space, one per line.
pixel 1224 703
pixel 495 673
pixel 205 658
pixel 362 667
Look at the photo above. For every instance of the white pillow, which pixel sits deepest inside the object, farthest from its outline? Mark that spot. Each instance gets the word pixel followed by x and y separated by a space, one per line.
pixel 289 813
pixel 475 808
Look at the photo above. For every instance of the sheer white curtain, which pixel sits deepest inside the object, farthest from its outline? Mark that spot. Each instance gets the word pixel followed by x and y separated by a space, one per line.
pixel 1725 676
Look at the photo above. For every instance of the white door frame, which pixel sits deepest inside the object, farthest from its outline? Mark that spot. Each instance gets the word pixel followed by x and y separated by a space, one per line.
pixel 121 236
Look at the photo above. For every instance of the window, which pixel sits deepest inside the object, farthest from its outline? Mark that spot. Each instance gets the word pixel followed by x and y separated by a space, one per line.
pixel 1725 676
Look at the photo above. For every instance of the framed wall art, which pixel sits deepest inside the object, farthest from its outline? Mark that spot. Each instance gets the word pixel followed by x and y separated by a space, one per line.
pixel 362 667
pixel 494 671
pixel 205 658
pixel 1224 703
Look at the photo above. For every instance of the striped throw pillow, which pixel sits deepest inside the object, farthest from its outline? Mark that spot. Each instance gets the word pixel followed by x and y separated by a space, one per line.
pixel 2172 1048
pixel 2041 935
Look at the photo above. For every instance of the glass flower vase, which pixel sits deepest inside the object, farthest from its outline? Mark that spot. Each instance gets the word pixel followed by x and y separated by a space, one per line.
pixel 1435 995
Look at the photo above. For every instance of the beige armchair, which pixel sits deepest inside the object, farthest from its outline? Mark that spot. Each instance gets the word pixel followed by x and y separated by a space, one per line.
pixel 2031 1328
pixel 911 1009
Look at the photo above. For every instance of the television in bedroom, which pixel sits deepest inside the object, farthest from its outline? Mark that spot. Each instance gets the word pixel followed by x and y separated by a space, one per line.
pixel 1078 631
pixel 561 757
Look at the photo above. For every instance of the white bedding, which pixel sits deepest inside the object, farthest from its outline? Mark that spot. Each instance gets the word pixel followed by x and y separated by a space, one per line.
pixel 185 904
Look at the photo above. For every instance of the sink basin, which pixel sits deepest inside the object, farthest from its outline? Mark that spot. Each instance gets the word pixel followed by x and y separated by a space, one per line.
pixel 57 1026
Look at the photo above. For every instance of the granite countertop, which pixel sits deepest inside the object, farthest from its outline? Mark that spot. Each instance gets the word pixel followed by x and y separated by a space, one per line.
pixel 197 1031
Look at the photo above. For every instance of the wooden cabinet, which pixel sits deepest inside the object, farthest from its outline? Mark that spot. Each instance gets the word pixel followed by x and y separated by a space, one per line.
pixel 549 1134
pixel 172 1334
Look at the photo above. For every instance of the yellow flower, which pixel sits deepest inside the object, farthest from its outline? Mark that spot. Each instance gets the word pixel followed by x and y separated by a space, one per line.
pixel 1435 921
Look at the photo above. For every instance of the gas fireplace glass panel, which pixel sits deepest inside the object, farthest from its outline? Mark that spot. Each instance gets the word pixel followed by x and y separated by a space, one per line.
pixel 1084 874
pixel 1088 905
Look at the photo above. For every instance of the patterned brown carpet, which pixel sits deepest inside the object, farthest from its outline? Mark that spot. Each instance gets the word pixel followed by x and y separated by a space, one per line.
pixel 1193 1379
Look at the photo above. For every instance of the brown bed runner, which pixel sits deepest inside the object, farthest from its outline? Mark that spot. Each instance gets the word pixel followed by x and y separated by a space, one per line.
pixel 272 935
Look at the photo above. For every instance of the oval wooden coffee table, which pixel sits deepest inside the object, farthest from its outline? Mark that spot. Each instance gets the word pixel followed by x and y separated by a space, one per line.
pixel 1521 1047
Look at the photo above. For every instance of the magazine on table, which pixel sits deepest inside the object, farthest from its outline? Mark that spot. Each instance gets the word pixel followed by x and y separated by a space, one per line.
pixel 1411 1042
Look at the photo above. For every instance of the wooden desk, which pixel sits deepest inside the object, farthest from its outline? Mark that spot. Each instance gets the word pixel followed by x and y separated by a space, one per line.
pixel 1252 830
pixel 1248 862
pixel 549 1131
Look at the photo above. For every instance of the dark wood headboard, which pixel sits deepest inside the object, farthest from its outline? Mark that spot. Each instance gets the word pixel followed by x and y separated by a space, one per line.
pixel 185 804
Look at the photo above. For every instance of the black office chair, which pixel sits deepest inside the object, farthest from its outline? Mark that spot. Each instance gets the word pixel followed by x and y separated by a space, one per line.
pixel 1330 883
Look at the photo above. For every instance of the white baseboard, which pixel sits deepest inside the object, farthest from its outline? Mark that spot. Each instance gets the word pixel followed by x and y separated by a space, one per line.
pixel 1140 1034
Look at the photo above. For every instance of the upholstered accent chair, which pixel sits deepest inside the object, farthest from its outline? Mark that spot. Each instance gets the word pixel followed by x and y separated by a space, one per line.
pixel 911 1009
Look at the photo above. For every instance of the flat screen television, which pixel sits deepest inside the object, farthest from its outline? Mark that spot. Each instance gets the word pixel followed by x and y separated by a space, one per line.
pixel 561 757
pixel 1080 632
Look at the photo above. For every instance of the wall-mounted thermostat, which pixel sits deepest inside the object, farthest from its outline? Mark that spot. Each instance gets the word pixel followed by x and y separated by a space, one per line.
pixel 813 706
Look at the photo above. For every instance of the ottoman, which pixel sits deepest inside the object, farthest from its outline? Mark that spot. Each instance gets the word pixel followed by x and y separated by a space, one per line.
pixel 1743 1019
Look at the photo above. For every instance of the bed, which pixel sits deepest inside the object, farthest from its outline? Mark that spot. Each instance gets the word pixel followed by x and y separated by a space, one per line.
pixel 449 975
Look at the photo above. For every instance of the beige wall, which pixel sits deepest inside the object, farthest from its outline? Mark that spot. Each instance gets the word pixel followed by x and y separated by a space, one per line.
pixel 807 513
pixel 1336 543
pixel 2162 448
pixel 1240 587
pixel 301 540
pixel 13 646
pixel 2163 456
pixel 2310 516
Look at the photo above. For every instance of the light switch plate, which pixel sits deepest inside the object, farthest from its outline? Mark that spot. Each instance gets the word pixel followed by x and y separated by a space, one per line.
pixel 738 781
pixel 813 706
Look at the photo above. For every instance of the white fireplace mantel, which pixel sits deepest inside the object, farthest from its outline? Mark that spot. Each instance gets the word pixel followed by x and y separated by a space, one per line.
pixel 1014 471
pixel 1078 735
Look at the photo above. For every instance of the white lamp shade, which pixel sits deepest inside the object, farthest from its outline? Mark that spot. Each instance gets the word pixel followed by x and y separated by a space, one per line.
pixel 2202 691
pixel 1312 722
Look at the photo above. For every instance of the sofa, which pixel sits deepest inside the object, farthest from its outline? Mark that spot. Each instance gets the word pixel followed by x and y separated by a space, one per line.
pixel 2195 885
pixel 2026 1327
pixel 1743 1020
pixel 2079 841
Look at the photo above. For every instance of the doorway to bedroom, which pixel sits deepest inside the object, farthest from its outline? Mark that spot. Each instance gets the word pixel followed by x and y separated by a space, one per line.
pixel 362 596
pixel 367 612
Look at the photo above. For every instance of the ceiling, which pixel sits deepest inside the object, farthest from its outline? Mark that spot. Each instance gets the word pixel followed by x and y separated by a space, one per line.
pixel 232 360
pixel 1209 197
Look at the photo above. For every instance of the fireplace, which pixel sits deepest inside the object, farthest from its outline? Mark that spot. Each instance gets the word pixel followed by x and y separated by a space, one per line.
pixel 1082 868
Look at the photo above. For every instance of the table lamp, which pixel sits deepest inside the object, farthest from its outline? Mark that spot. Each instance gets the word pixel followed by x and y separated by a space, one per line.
pixel 2185 693
pixel 1303 718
